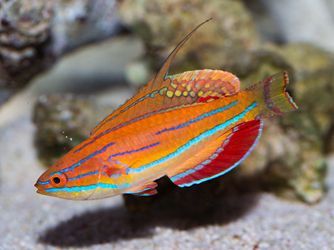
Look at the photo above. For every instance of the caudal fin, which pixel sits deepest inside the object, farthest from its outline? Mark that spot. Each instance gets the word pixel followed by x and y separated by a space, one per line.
pixel 272 96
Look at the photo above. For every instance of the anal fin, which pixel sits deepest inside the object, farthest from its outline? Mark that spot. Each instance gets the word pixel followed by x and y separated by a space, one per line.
pixel 233 150
pixel 147 189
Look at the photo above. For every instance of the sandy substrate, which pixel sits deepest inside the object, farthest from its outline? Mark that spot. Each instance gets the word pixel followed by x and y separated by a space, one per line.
pixel 31 221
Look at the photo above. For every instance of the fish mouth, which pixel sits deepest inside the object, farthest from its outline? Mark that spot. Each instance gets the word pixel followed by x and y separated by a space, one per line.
pixel 40 192
pixel 39 189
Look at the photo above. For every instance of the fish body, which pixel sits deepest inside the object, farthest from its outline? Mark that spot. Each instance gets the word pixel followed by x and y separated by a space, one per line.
pixel 191 127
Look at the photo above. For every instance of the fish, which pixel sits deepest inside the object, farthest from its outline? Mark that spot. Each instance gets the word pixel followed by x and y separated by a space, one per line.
pixel 191 127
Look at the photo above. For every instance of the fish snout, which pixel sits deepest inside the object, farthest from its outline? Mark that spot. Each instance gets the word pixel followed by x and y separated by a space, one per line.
pixel 40 189
pixel 37 187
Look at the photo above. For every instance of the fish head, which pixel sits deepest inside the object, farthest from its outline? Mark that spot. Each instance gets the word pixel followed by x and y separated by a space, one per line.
pixel 77 179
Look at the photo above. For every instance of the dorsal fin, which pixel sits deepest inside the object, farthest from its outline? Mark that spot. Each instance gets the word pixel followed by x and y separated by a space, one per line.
pixel 151 88
pixel 161 75
pixel 188 88
pixel 169 92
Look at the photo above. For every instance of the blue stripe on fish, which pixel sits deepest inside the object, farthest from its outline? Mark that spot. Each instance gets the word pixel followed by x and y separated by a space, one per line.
pixel 83 175
pixel 203 164
pixel 43 182
pixel 92 173
pixel 90 156
pixel 194 141
pixel 88 187
pixel 133 151
pixel 151 95
pixel 201 117
pixel 109 130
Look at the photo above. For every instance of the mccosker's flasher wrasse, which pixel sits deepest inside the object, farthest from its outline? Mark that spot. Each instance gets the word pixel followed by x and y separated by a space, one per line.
pixel 191 127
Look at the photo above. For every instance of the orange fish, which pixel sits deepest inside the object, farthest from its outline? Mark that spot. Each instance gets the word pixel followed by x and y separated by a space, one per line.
pixel 191 127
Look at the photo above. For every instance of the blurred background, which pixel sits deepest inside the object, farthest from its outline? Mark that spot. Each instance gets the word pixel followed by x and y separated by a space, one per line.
pixel 66 64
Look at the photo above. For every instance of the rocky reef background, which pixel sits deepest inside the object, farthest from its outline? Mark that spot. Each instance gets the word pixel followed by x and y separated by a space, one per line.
pixel 67 64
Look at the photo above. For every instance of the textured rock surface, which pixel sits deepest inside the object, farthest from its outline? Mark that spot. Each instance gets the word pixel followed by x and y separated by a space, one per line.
pixel 237 221
pixel 24 31
pixel 314 89
pixel 287 164
pixel 62 122
pixel 33 34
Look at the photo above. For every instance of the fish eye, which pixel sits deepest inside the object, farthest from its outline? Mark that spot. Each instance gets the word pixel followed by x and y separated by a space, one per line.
pixel 58 180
